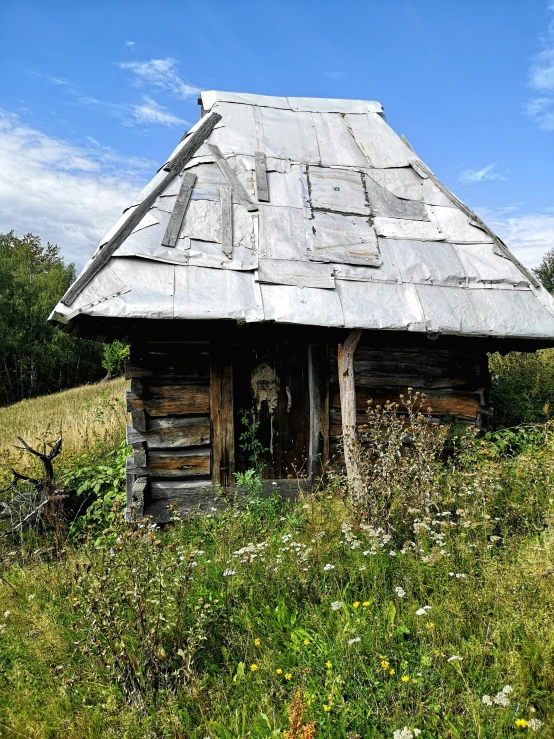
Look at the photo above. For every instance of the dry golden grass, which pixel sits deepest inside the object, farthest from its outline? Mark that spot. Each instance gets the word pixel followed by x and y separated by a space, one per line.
pixel 86 415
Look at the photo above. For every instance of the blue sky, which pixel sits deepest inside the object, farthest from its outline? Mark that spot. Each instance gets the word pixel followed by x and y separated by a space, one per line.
pixel 94 96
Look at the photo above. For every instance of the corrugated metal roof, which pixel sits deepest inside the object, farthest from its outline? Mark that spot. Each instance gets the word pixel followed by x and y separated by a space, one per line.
pixel 353 230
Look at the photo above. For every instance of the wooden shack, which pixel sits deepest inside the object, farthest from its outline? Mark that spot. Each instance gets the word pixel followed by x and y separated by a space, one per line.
pixel 291 260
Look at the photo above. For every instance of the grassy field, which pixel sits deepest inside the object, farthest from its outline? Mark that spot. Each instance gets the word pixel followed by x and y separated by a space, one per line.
pixel 296 619
pixel 86 415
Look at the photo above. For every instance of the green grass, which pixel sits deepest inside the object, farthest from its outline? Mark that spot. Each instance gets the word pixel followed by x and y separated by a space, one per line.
pixel 138 597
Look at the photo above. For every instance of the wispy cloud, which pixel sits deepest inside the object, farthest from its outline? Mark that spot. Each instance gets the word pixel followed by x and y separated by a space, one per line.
pixel 160 73
pixel 528 235
pixel 541 79
pixel 469 176
pixel 67 194
pixel 129 43
pixel 149 111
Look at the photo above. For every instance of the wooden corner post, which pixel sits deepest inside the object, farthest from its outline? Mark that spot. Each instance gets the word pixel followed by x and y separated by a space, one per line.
pixel 221 414
pixel 347 385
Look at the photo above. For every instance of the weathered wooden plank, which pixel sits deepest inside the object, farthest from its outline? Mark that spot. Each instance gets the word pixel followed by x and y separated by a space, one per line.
pixel 231 178
pixel 135 502
pixel 193 143
pixel 138 418
pixel 226 221
pixel 460 404
pixel 348 404
pixel 179 209
pixel 174 463
pixel 262 187
pixel 140 453
pixel 171 400
pixel 170 433
pixel 318 383
pixel 221 415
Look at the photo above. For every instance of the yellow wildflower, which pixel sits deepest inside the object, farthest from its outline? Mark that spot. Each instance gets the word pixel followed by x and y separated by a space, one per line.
pixel 430 625
pixel 326 709
pixel 385 664
pixel 257 642
pixel 391 672
pixel 521 723
pixel 328 664
pixel 253 668
pixel 306 642
pixel 288 676
pixel 279 671
pixel 356 604
pixel 366 604
pixel 405 679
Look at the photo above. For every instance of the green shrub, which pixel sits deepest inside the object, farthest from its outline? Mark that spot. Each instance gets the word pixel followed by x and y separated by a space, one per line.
pixel 113 358
pixel 522 387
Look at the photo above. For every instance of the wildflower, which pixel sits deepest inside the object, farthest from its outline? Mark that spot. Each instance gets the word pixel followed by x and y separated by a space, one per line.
pixel 279 671
pixel 257 642
pixel 306 642
pixel 288 676
pixel 534 724
pixel 354 641
pixel 328 664
pixel 391 672
pixel 454 658
pixel 400 592
pixel 430 625
pixel 385 664
pixel 7 614
pixel 356 604
pixel 253 667
pixel 507 689
pixel 486 700
pixel 30 597
pixel 328 567
pixel 326 708
pixel 422 611
pixel 501 699
pixel 228 573
pixel 406 733
pixel 336 605
pixel 405 679
pixel 521 723
pixel 366 603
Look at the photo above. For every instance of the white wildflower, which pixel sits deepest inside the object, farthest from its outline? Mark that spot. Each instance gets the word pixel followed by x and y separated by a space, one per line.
pixel 366 553
pixel 228 573
pixel 406 733
pixel 328 567
pixel 486 700
pixel 336 605
pixel 501 699
pixel 354 641
pixel 392 553
pixel 400 592
pixel 422 611
pixel 534 724
pixel 7 614
pixel 507 689
pixel 455 658
pixel 31 597
pixel 286 537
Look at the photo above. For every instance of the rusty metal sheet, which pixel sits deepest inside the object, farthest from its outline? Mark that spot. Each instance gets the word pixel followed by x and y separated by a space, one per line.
pixel 337 190
pixel 333 237
pixel 381 146
pixel 336 146
pixel 307 306
pixel 379 305
pixel 202 293
pixel 301 274
pixel 397 228
pixel 456 226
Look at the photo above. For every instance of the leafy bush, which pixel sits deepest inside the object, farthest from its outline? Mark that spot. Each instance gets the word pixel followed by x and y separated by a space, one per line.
pixel 113 358
pixel 522 387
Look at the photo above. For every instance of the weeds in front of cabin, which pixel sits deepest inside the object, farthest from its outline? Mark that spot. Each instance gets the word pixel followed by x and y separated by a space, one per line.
pixel 439 624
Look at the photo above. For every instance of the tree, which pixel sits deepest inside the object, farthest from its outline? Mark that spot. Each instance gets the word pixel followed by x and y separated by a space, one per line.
pixel 545 270
pixel 35 357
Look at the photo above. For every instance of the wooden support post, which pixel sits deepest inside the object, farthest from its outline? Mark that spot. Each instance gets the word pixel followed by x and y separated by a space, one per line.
pixel 318 378
pixel 347 384
pixel 137 488
pixel 221 414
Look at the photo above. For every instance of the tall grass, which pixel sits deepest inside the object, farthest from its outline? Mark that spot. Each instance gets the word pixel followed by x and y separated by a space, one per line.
pixel 87 416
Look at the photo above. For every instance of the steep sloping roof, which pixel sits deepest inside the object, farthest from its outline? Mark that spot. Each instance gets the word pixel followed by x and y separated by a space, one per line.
pixel 306 211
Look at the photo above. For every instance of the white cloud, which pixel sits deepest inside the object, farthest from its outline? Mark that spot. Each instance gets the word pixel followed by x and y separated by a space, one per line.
pixel 160 73
pixel 63 193
pixel 528 235
pixel 149 111
pixel 480 175
pixel 541 79
pixel 129 43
